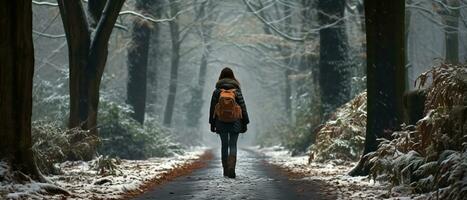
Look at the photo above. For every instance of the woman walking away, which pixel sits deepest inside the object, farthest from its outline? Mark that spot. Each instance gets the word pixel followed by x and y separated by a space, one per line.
pixel 228 117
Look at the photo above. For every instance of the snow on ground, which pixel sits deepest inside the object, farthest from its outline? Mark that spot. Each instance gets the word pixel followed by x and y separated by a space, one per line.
pixel 333 175
pixel 84 182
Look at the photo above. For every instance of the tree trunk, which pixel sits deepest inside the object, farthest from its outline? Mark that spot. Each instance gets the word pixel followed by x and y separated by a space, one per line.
pixel 98 57
pixel 408 16
pixel 78 39
pixel 385 73
pixel 288 91
pixel 194 107
pixel 87 58
pixel 95 8
pixel 138 64
pixel 196 103
pixel 16 75
pixel 287 53
pixel 175 58
pixel 169 109
pixel 152 73
pixel 334 69
pixel 307 60
pixel 451 31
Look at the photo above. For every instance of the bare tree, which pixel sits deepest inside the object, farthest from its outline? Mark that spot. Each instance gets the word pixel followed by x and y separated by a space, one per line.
pixel 281 12
pixel 205 16
pixel 87 55
pixel 175 60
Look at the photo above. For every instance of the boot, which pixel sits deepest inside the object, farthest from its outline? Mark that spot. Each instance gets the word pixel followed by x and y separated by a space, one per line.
pixel 231 166
pixel 225 166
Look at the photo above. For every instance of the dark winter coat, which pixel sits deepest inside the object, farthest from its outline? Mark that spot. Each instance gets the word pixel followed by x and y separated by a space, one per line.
pixel 230 127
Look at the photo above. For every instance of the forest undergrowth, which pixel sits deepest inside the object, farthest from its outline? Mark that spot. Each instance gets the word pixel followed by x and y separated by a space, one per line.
pixel 125 156
pixel 342 137
pixel 120 136
pixel 428 159
pixel 431 157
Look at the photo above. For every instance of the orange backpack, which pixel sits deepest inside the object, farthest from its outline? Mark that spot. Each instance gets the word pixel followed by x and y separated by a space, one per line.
pixel 227 109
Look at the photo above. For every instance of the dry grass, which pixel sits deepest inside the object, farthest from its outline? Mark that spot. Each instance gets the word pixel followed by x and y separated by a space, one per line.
pixel 343 136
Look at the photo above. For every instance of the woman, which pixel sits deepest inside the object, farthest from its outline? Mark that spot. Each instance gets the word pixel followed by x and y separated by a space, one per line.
pixel 228 121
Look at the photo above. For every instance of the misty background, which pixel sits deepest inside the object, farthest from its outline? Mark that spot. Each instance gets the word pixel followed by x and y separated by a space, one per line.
pixel 277 87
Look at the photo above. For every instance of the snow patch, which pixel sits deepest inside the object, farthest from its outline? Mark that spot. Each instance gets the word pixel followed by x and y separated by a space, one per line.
pixel 84 182
pixel 333 175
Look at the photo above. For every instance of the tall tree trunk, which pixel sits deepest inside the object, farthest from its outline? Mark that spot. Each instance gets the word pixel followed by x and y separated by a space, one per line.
pixel 98 57
pixel 385 73
pixel 87 57
pixel 194 107
pixel 138 63
pixel 287 53
pixel 334 75
pixel 196 103
pixel 78 39
pixel 152 73
pixel 408 16
pixel 175 59
pixel 361 12
pixel 451 31
pixel 16 74
pixel 307 60
pixel 288 91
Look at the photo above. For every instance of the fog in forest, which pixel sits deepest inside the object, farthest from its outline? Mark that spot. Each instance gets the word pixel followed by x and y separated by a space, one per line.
pixel 333 87
pixel 238 39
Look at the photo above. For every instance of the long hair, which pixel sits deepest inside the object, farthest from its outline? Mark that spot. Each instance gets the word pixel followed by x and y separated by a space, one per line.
pixel 227 73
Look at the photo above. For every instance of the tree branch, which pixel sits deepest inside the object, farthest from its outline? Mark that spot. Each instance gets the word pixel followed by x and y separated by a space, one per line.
pixel 45 3
pixel 48 35
pixel 269 24
pixel 151 19
pixel 103 31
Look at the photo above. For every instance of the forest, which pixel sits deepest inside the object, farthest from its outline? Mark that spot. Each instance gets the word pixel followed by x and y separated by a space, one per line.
pixel 346 99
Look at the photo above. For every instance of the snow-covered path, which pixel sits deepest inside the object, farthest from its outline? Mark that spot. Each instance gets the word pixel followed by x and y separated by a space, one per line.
pixel 255 180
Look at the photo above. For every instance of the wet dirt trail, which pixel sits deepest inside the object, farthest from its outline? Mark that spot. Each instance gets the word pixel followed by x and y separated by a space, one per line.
pixel 255 180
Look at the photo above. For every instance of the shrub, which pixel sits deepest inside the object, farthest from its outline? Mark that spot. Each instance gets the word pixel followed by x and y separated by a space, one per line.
pixel 124 137
pixel 431 157
pixel 343 136
pixel 52 144
pixel 50 101
pixel 106 165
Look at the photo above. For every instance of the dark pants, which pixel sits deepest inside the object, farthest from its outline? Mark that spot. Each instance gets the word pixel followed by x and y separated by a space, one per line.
pixel 229 141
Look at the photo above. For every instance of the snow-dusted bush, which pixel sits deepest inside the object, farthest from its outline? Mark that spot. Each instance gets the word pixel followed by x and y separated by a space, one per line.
pixel 124 137
pixel 431 157
pixel 50 101
pixel 53 143
pixel 343 136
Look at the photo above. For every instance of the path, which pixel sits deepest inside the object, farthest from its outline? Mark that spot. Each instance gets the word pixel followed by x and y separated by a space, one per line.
pixel 255 180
